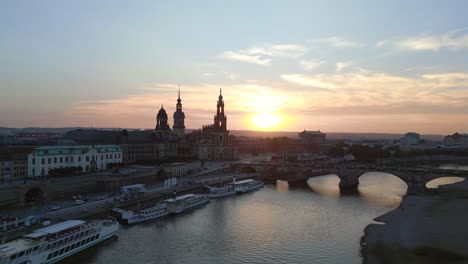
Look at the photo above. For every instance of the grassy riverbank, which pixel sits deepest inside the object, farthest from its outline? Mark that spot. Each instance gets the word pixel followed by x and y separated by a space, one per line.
pixel 430 228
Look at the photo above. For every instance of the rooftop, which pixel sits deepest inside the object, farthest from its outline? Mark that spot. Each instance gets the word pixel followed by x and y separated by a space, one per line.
pixel 79 149
pixel 55 228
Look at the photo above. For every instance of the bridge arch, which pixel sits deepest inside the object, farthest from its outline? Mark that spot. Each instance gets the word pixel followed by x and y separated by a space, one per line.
pixel 443 180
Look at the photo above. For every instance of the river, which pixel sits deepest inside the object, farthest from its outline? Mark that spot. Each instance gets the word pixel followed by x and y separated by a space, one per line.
pixel 277 224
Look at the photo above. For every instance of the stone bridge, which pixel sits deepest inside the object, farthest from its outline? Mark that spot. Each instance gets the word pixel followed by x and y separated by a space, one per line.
pixel 415 178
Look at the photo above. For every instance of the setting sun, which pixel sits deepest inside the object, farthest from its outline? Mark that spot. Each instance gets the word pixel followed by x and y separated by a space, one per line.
pixel 266 121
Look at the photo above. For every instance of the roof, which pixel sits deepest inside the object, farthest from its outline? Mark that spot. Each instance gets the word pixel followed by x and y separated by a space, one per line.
pixel 88 136
pixel 55 228
pixel 182 197
pixel 80 149
pixel 312 132
pixel 244 181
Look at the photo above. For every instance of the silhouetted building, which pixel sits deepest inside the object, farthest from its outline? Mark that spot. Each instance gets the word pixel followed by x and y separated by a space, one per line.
pixel 214 141
pixel 313 137
pixel 179 119
pixel 252 145
pixel 141 146
pixel 456 139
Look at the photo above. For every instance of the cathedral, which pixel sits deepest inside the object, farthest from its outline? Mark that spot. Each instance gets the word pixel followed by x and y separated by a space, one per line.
pixel 214 142
pixel 147 146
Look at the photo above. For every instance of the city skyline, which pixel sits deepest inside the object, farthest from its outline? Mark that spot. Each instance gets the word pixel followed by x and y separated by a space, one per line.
pixel 338 67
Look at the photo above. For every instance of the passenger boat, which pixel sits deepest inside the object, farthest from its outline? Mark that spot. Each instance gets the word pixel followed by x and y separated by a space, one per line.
pixel 185 202
pixel 56 242
pixel 247 185
pixel 225 190
pixel 132 217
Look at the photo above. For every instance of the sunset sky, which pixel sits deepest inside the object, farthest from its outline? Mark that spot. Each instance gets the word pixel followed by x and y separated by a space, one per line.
pixel 337 66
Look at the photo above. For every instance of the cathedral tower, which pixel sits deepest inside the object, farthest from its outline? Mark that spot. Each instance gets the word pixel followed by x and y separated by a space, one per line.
pixel 179 119
pixel 220 118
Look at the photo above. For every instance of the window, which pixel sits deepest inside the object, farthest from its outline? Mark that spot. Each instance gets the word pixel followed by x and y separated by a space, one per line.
pixel 34 172
pixel 61 251
pixel 61 160
pixel 67 249
pixel 79 159
pixel 49 161
pixel 87 158
pixel 33 161
pixel 107 156
pixel 49 256
pixel 55 160
pixel 71 159
pixel 66 159
pixel 102 157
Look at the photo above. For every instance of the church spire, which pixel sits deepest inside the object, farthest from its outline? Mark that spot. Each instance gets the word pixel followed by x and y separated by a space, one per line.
pixel 178 98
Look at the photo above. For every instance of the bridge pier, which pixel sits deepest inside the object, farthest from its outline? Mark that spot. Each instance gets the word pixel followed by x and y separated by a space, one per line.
pixel 415 188
pixel 349 181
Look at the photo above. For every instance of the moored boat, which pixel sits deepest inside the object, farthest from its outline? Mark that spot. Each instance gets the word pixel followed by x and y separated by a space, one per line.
pixel 185 202
pixel 56 242
pixel 224 190
pixel 247 185
pixel 145 214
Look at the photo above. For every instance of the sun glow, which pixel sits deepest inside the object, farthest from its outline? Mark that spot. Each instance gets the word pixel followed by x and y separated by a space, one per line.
pixel 266 121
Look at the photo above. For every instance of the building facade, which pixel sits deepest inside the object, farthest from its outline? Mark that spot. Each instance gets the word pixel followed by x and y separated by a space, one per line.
pixel 14 162
pixel 214 141
pixel 252 145
pixel 88 157
pixel 409 141
pixel 313 137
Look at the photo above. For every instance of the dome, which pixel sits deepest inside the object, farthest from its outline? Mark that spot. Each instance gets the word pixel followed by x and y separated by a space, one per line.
pixel 162 113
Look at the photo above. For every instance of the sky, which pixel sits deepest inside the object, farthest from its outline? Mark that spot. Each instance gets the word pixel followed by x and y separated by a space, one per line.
pixel 334 66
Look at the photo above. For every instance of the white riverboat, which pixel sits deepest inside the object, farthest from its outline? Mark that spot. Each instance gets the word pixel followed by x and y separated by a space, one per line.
pixel 225 190
pixel 145 214
pixel 185 202
pixel 247 185
pixel 56 242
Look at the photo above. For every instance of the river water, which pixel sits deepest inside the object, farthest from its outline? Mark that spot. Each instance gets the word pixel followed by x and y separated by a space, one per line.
pixel 277 224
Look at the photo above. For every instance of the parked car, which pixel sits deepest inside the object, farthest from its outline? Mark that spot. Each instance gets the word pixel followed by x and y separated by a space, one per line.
pixel 78 202
pixel 55 207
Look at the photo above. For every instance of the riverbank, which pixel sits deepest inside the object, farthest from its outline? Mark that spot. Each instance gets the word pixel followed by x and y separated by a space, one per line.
pixel 429 228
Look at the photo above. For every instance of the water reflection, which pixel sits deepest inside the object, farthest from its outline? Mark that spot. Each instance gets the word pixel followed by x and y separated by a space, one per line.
pixel 443 181
pixel 376 188
pixel 381 189
pixel 282 186
pixel 326 185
